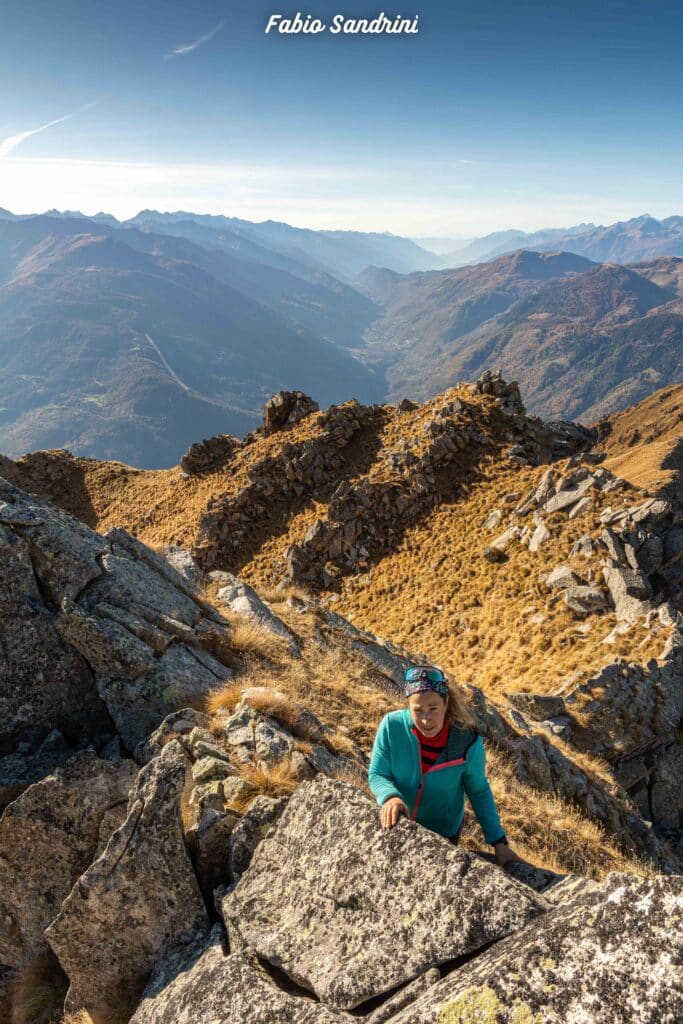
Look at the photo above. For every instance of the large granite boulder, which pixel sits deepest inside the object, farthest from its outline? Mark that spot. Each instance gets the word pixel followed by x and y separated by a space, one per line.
pixel 48 837
pixel 606 955
pixel 356 910
pixel 97 633
pixel 134 903
pixel 200 984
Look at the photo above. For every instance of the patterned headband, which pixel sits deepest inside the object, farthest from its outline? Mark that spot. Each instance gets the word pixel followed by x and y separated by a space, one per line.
pixel 419 679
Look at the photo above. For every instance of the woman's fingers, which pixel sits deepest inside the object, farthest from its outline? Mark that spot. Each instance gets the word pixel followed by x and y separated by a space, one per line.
pixel 391 811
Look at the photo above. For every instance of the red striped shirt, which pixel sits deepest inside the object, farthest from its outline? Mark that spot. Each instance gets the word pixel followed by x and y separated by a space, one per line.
pixel 431 746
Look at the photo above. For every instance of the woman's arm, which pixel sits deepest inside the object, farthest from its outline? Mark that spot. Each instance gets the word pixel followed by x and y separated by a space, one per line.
pixel 479 793
pixel 379 771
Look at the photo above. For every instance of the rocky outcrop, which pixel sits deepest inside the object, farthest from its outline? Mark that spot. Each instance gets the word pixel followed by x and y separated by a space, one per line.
pixel 302 468
pixel 350 917
pixel 48 837
pixel 209 455
pixel 100 634
pixel 286 408
pixel 606 955
pixel 137 900
pixel 364 519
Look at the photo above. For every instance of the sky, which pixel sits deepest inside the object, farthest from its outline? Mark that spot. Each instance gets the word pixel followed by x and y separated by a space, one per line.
pixel 494 115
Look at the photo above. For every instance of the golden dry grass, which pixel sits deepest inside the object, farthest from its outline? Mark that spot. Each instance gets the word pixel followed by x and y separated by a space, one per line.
pixel 548 832
pixel 495 626
pixel 249 639
pixel 277 779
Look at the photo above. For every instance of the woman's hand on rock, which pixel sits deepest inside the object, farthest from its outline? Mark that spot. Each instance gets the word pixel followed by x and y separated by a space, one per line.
pixel 505 855
pixel 391 811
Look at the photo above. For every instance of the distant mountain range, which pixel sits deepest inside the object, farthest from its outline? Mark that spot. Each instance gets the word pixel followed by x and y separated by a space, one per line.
pixel 624 242
pixel 131 340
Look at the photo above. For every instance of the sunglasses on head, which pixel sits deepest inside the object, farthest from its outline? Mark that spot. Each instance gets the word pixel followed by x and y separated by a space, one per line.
pixel 434 675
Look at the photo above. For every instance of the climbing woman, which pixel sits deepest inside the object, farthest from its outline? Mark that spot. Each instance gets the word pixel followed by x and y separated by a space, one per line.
pixel 427 757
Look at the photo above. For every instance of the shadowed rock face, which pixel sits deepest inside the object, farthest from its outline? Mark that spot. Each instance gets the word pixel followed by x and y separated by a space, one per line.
pixel 359 911
pixel 98 634
pixel 200 984
pixel 134 903
pixel 610 955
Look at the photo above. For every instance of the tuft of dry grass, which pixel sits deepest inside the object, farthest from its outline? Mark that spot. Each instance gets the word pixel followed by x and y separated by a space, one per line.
pixel 37 991
pixel 251 640
pixel 276 779
pixel 81 1017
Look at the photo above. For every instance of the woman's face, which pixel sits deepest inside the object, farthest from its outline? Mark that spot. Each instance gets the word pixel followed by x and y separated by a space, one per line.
pixel 428 711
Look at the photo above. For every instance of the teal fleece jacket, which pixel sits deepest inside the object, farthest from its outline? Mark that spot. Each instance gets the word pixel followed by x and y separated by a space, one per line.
pixel 437 798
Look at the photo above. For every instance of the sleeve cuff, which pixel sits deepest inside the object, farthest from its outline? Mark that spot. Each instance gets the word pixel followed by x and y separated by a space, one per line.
pixel 500 839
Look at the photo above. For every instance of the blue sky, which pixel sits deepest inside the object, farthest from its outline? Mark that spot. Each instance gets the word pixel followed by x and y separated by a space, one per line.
pixel 495 115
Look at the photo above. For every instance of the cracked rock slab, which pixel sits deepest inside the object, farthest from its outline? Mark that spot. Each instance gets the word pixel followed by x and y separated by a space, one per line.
pixel 609 954
pixel 348 915
pixel 48 837
pixel 200 984
pixel 138 900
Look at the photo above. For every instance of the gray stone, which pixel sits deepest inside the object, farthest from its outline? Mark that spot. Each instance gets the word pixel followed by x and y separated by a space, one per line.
pixel 604 956
pixel 585 599
pixel 583 546
pixel 256 737
pixel 567 498
pixel 650 555
pixel 256 823
pixel 613 545
pixel 546 488
pixel 183 562
pixel 673 543
pixel 134 903
pixel 581 506
pixel 630 590
pixel 562 577
pixel 285 408
pixel 48 837
pixel 504 540
pixel 493 520
pixel 540 535
pixel 180 722
pixel 243 600
pixel 652 511
pixel 208 769
pixel 349 916
pixel 200 984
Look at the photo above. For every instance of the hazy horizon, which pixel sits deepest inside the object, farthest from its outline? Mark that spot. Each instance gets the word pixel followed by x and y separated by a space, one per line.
pixel 414 236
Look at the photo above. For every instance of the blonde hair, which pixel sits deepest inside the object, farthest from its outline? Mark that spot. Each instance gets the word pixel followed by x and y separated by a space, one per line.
pixel 458 711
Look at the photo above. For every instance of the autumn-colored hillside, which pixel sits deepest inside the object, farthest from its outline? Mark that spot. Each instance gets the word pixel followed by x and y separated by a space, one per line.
pixel 435 473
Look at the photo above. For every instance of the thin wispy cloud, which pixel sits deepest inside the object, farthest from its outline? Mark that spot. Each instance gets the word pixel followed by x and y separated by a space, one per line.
pixel 12 141
pixel 181 51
